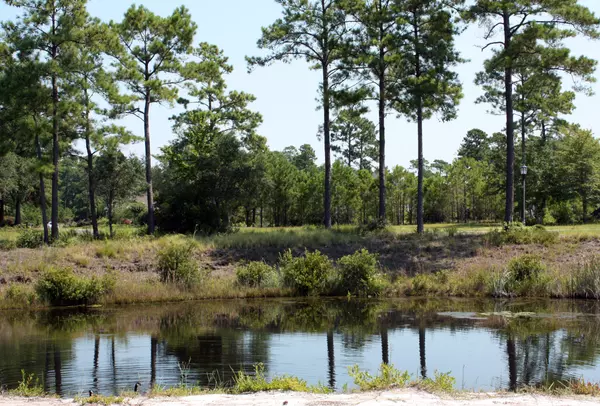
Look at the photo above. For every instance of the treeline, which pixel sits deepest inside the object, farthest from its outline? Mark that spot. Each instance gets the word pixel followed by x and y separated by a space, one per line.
pixel 67 77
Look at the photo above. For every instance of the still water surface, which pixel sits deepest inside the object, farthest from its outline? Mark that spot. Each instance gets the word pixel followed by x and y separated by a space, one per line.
pixel 486 345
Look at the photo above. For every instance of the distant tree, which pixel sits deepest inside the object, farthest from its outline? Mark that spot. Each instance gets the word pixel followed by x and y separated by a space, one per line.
pixel 427 84
pixel 375 49
pixel 345 200
pixel 527 32
pixel 51 29
pixel 354 137
pixel 217 154
pixel 313 30
pixel 119 179
pixel 475 145
pixel 150 64
pixel 579 162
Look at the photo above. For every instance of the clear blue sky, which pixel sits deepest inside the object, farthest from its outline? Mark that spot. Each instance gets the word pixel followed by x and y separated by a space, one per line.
pixel 286 94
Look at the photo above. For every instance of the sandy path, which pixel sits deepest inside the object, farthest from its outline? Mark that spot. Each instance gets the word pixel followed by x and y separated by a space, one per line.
pixel 405 397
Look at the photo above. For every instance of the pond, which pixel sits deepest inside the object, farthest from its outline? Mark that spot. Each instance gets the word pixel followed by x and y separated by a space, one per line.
pixel 485 345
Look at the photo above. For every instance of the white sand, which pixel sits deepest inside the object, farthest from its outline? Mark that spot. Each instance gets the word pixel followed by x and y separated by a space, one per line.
pixel 403 397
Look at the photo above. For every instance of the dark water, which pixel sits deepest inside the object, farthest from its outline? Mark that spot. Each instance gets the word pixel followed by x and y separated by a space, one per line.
pixel 109 349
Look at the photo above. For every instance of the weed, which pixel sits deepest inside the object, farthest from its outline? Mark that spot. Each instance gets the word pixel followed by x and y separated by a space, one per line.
pixel 99 400
pixel 20 296
pixel 29 387
pixel 109 250
pixel 388 377
pixel 441 382
pixel 586 280
pixel 520 235
pixel 7 245
pixel 244 383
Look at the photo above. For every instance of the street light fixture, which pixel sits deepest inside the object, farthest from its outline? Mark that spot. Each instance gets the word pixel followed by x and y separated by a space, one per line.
pixel 524 170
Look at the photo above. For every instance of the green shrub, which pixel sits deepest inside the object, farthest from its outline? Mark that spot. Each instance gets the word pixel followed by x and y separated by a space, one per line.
pixel 441 382
pixel 388 377
pixel 30 239
pixel 176 263
pixel 7 245
pixel 527 277
pixel 20 296
pixel 358 273
pixel 245 383
pixel 61 287
pixel 525 267
pixel 255 274
pixel 306 275
pixel 519 235
pixel 29 387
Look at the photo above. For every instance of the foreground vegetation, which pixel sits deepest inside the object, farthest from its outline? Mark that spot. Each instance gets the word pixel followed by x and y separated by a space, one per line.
pixel 450 261
pixel 388 377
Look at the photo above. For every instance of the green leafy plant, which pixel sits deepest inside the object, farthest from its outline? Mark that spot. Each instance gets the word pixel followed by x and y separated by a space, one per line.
pixel 441 382
pixel 388 377
pixel 358 273
pixel 176 263
pixel 29 386
pixel 244 383
pixel 61 287
pixel 255 274
pixel 30 238
pixel 306 275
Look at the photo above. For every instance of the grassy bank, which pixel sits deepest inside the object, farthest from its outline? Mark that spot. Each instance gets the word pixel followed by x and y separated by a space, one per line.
pixel 447 261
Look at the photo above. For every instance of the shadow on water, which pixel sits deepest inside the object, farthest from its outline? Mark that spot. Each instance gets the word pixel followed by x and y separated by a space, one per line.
pixel 484 344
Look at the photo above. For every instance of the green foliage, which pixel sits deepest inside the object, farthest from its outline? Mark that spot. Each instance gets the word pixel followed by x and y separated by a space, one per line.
pixel 255 274
pixel 176 263
pixel 20 296
pixel 61 287
pixel 109 249
pixel 520 235
pixel 585 281
pixel 29 386
pixel 244 383
pixel 306 275
pixel 525 268
pixel 7 245
pixel 387 378
pixel 358 273
pixel 525 276
pixel 30 238
pixel 441 382
pixel 100 400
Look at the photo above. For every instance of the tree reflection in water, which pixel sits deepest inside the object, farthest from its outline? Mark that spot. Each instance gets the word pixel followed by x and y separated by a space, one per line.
pixel 218 338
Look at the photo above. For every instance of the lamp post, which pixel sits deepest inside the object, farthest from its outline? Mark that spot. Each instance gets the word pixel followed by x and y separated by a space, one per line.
pixel 524 176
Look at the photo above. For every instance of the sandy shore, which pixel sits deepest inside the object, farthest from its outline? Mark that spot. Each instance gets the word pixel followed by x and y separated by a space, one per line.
pixel 404 397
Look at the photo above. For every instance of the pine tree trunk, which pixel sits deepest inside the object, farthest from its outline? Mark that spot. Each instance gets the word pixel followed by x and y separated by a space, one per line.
pixel 38 148
pixel 420 192
pixel 18 220
pixel 149 191
pixel 382 101
pixel 110 214
pixel 90 169
pixel 510 131
pixel 327 137
pixel 55 157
